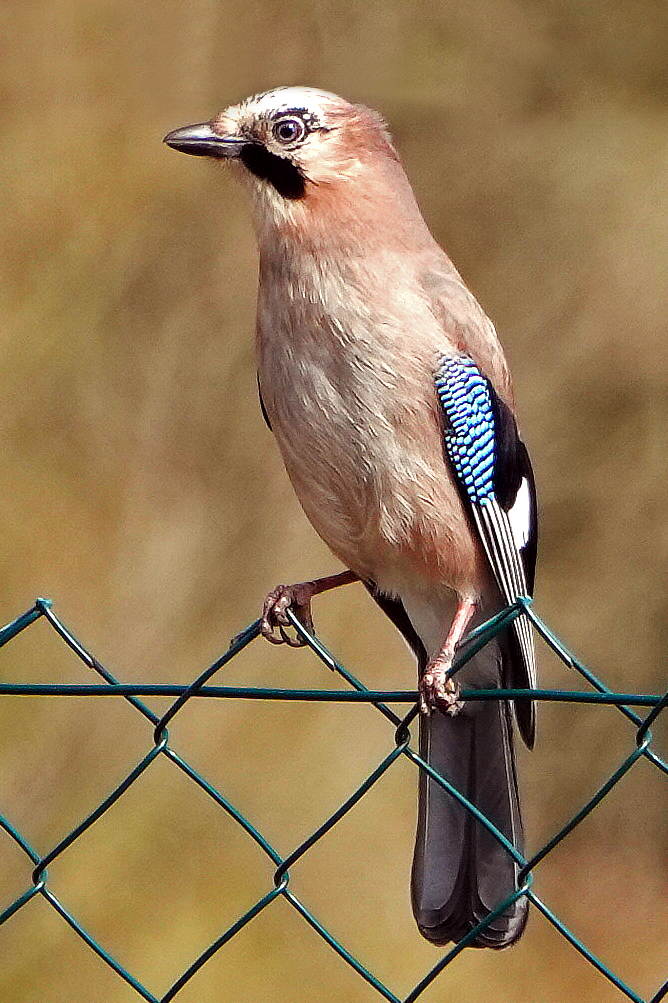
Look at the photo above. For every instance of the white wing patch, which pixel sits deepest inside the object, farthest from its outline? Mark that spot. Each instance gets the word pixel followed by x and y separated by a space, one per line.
pixel 496 533
pixel 520 515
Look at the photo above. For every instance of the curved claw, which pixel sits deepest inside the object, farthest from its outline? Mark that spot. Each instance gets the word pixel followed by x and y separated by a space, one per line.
pixel 296 641
pixel 270 636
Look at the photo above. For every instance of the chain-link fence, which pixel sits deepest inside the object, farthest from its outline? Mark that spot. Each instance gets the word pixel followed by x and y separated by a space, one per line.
pixel 399 741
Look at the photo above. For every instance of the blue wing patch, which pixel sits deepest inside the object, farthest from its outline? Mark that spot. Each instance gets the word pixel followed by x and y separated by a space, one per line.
pixel 465 398
pixel 493 474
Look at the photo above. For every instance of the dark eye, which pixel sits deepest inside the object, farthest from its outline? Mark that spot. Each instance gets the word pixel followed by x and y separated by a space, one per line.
pixel 289 130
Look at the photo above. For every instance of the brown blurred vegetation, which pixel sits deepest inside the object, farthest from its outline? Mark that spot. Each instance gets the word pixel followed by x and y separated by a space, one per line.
pixel 143 493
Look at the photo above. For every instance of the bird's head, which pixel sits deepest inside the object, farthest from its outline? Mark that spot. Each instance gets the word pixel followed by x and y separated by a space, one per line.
pixel 307 154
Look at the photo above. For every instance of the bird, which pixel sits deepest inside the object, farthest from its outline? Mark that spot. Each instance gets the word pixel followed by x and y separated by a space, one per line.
pixel 390 398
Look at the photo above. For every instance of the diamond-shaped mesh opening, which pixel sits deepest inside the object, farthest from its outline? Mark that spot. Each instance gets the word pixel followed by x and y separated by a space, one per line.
pixel 163 849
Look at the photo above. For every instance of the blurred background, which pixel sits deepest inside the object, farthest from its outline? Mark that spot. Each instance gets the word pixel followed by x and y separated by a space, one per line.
pixel 144 495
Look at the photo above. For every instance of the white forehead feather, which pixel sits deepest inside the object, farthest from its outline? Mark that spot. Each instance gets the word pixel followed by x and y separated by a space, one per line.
pixel 287 98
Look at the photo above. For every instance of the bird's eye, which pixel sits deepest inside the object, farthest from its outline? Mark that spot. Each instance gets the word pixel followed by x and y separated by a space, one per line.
pixel 289 130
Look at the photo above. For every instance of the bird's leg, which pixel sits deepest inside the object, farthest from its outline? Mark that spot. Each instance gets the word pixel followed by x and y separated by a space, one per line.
pixel 438 690
pixel 298 599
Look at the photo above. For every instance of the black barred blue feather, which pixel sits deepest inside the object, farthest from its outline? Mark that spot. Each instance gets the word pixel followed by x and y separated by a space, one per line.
pixel 494 477
pixel 469 441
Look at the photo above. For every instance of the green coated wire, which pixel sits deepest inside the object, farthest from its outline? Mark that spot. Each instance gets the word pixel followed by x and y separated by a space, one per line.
pixel 282 863
pixel 608 698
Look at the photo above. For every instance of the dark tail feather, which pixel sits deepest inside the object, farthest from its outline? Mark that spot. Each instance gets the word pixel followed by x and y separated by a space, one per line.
pixel 461 873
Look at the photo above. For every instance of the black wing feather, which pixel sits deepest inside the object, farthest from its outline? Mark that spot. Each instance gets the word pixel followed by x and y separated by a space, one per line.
pixel 262 407
pixel 511 468
pixel 394 609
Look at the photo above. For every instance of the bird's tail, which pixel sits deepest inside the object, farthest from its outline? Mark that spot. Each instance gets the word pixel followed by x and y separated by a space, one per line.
pixel 461 873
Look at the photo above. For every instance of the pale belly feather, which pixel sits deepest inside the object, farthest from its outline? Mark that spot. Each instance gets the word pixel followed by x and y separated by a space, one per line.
pixel 363 451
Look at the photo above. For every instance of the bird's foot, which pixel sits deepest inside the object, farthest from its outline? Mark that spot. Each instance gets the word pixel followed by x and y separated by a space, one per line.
pixel 439 691
pixel 275 613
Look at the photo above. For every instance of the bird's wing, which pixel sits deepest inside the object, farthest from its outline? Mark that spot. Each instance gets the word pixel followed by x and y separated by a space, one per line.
pixel 262 407
pixel 394 609
pixel 495 480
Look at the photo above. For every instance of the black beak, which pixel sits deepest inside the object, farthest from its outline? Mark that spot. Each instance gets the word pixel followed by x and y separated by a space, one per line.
pixel 201 141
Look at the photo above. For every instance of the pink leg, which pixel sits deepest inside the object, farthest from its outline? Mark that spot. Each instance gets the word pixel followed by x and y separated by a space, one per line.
pixel 298 599
pixel 438 690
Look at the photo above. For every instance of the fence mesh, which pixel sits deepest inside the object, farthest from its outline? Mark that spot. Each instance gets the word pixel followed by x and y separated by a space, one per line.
pixel 399 738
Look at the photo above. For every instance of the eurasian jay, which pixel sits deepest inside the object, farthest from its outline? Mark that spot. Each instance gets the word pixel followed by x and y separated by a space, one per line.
pixel 388 393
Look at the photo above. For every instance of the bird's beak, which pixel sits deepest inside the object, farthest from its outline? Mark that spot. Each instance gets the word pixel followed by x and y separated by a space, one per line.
pixel 201 141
